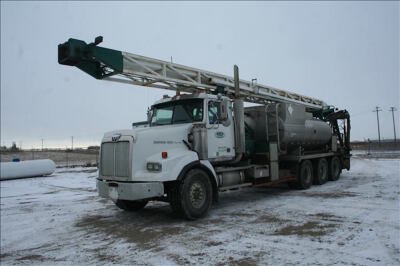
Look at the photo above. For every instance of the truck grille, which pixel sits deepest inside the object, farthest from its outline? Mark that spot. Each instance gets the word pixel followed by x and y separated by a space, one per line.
pixel 115 159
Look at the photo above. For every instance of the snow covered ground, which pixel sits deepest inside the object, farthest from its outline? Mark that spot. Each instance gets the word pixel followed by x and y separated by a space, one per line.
pixel 61 220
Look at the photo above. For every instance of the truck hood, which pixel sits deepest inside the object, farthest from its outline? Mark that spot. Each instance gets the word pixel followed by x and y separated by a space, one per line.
pixel 149 142
pixel 168 136
pixel 159 134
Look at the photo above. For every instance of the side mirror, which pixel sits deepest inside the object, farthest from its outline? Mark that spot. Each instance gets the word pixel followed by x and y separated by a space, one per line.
pixel 224 110
pixel 149 115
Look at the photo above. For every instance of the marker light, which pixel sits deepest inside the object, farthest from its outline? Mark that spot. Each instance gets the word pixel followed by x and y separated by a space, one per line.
pixel 164 154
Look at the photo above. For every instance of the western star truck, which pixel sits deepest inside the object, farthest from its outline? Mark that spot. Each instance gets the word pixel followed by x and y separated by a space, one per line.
pixel 203 140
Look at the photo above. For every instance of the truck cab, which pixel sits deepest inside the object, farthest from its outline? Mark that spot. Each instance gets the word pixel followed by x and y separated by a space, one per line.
pixel 147 161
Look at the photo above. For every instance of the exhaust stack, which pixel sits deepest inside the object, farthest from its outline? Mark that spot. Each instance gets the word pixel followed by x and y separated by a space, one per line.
pixel 238 112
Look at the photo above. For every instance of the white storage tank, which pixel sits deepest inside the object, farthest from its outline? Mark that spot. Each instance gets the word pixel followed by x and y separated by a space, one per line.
pixel 29 168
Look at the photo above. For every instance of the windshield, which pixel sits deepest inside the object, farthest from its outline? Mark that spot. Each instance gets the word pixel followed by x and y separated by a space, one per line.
pixel 177 112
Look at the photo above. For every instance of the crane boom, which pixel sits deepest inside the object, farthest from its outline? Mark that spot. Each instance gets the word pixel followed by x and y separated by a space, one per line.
pixel 113 65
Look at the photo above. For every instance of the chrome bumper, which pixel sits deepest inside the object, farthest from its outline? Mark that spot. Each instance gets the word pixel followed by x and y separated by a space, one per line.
pixel 129 191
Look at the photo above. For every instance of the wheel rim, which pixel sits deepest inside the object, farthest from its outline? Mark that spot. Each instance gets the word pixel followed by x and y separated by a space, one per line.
pixel 197 195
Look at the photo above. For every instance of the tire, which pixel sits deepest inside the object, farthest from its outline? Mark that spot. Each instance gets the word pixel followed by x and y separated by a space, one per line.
pixel 174 199
pixel 305 175
pixel 335 168
pixel 321 172
pixel 131 205
pixel 195 195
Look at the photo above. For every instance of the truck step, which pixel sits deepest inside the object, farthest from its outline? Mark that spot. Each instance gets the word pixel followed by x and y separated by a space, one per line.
pixel 235 187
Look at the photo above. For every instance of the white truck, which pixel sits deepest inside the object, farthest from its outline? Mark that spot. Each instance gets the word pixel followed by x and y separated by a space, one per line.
pixel 203 140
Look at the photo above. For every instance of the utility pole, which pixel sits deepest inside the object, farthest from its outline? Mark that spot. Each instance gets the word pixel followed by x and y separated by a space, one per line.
pixel 392 109
pixel 377 110
pixel 72 144
pixel 42 144
pixel 66 155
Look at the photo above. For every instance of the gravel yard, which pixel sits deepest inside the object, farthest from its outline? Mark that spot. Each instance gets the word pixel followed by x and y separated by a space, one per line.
pixel 61 220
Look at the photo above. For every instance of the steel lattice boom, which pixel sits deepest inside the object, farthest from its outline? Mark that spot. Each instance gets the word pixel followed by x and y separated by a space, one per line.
pixel 113 65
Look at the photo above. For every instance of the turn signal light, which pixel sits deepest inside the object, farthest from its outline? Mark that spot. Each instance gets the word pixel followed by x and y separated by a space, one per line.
pixel 164 154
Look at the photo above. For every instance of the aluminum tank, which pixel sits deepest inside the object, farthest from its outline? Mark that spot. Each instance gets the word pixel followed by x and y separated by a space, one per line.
pixel 296 126
pixel 29 168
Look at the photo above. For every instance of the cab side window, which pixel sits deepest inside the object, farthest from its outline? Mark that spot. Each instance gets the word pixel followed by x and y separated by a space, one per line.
pixel 214 112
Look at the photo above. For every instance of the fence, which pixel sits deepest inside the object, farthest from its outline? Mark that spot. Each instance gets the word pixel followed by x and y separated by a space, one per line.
pixel 62 158
pixel 376 146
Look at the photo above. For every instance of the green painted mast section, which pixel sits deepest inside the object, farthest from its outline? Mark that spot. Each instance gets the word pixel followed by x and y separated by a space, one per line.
pixel 99 62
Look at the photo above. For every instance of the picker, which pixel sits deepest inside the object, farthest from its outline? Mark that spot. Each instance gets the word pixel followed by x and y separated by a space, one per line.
pixel 203 140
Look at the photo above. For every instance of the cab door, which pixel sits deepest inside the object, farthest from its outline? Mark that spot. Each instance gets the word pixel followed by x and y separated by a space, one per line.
pixel 220 131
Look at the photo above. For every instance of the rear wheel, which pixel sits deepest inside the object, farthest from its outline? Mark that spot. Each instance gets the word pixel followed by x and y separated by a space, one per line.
pixel 321 172
pixel 305 175
pixel 194 196
pixel 335 168
pixel 131 205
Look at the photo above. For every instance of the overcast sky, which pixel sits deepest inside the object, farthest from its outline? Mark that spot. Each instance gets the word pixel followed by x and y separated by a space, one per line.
pixel 344 53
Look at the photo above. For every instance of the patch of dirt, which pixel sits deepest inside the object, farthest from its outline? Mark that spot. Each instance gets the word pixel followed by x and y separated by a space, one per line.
pixel 330 195
pixel 213 243
pixel 247 261
pixel 52 192
pixel 24 202
pixel 268 218
pixel 240 214
pixel 31 257
pixel 107 258
pixel 312 229
pixel 204 222
pixel 178 259
pixel 201 254
pixel 144 235
pixel 327 217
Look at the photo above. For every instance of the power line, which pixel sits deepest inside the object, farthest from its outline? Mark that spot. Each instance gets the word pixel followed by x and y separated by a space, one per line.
pixel 377 110
pixel 392 109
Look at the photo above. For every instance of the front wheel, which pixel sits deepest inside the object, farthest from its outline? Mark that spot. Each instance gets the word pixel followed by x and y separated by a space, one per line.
pixel 131 205
pixel 195 194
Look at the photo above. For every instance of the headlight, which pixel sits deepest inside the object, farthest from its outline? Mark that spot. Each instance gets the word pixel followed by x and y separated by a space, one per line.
pixel 154 167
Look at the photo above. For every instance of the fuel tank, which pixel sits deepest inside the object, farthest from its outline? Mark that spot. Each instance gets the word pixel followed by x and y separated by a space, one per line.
pixel 288 123
pixel 28 168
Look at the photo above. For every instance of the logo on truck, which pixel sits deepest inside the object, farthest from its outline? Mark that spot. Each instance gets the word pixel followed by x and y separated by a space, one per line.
pixel 116 137
pixel 219 134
